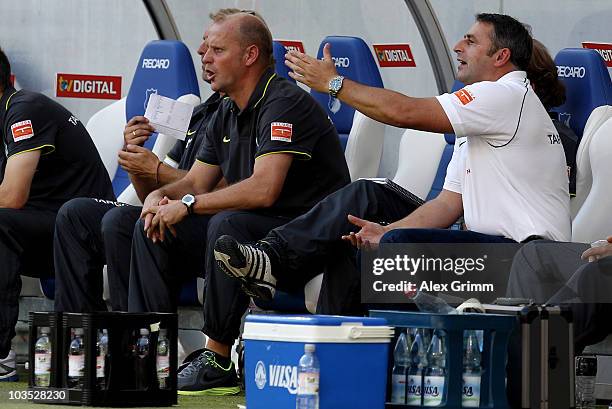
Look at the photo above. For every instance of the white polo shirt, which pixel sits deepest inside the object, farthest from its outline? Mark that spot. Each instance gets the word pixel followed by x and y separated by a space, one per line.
pixel 508 163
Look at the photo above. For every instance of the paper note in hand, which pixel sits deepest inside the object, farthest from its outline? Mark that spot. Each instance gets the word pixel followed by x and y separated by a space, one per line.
pixel 169 116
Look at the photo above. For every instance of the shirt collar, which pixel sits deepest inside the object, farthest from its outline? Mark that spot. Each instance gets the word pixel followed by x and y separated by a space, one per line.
pixel 260 91
pixel 8 92
pixel 515 76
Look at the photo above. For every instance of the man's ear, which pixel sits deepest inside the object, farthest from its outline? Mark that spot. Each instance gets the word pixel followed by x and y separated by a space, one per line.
pixel 502 57
pixel 251 55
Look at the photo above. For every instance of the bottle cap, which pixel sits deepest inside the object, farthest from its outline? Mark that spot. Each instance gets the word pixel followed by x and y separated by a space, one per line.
pixel 309 347
pixel 78 331
pixel 45 330
pixel 144 331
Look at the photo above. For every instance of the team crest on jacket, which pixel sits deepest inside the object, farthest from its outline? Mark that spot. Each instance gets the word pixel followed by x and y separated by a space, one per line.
pixel 281 131
pixel 22 130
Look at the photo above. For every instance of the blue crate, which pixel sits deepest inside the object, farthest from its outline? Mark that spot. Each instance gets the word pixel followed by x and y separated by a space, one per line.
pixel 497 330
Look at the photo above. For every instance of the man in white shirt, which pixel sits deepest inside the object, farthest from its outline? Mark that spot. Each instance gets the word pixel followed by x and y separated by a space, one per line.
pixel 507 176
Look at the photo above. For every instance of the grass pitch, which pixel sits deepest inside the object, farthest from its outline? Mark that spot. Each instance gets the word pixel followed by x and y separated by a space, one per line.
pixel 200 402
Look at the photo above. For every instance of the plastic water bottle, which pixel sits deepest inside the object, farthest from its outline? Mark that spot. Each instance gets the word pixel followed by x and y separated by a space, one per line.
pixel 418 363
pixel 470 397
pixel 401 362
pixel 76 360
pixel 308 380
pixel 102 349
pixel 432 304
pixel 586 370
pixel 163 360
pixel 435 374
pixel 142 359
pixel 42 359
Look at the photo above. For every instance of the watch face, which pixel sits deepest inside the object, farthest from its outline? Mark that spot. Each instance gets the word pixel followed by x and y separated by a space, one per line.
pixel 188 199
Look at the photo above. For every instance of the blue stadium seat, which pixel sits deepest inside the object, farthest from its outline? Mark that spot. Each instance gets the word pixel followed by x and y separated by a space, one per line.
pixel 166 68
pixel 279 61
pixel 587 83
pixel 354 60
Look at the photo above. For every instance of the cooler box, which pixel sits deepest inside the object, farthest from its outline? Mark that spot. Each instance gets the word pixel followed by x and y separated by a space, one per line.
pixel 352 353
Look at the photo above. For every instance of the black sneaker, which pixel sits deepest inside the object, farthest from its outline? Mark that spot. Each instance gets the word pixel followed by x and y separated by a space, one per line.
pixel 248 263
pixel 209 374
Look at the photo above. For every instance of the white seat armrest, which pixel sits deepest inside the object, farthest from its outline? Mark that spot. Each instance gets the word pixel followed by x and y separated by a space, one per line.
pixel 419 157
pixel 364 147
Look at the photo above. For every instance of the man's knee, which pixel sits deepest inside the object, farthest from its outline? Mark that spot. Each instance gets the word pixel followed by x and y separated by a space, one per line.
pixel 119 220
pixel 400 236
pixel 74 211
pixel 225 223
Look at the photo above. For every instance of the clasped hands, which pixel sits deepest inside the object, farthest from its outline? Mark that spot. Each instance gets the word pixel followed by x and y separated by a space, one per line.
pixel 160 215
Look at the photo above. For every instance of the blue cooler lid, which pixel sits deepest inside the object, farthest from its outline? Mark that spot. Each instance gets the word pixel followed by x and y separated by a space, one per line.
pixel 317 328
pixel 324 320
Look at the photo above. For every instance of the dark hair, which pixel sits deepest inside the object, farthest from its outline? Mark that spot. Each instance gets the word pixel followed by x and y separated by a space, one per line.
pixel 5 71
pixel 542 73
pixel 509 33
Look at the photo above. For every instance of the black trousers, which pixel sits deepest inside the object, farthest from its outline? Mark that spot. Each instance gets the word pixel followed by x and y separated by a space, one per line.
pixel 159 269
pixel 90 233
pixel 553 272
pixel 26 247
pixel 312 242
pixel 225 303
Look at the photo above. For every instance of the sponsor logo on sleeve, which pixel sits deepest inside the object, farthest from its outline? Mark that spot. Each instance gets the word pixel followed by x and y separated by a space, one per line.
pixel 394 55
pixel 292 45
pixel 281 131
pixel 604 49
pixel 88 86
pixel 22 130
pixel 465 96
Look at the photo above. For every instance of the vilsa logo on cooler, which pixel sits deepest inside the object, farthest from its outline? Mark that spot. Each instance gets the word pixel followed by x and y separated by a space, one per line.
pixel 281 376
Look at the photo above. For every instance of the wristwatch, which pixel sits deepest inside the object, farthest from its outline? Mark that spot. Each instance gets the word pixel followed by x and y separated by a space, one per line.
pixel 188 200
pixel 335 85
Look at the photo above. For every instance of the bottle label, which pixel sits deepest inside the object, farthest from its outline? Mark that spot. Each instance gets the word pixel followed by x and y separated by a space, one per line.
pixel 398 389
pixel 433 390
pixel 42 363
pixel 163 366
pixel 414 390
pixel 76 365
pixel 100 366
pixel 308 383
pixel 470 397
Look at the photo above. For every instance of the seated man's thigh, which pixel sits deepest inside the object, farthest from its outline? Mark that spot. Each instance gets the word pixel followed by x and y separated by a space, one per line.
pixel 29 235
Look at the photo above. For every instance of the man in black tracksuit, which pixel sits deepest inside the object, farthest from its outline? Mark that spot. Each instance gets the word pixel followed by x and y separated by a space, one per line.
pixel 91 232
pixel 48 158
pixel 280 155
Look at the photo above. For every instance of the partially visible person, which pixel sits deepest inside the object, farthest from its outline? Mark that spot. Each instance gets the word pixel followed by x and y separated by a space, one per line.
pixel 542 72
pixel 507 177
pixel 91 232
pixel 48 158
pixel 571 274
pixel 280 155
